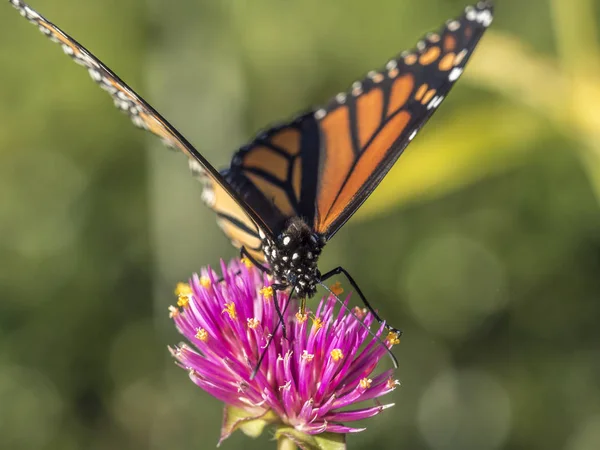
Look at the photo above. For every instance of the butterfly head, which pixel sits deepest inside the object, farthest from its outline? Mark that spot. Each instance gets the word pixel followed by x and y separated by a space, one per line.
pixel 293 257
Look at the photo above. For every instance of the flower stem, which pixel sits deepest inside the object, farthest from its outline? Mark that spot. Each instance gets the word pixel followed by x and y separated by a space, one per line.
pixel 285 443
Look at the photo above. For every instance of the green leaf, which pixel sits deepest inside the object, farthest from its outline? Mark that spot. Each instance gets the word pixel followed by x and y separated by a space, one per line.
pixel 250 424
pixel 323 441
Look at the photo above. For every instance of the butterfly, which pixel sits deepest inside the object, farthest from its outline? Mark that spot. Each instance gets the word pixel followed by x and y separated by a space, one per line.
pixel 289 190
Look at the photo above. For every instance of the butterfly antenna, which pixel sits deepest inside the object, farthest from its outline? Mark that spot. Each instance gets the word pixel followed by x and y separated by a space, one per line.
pixel 279 322
pixel 343 305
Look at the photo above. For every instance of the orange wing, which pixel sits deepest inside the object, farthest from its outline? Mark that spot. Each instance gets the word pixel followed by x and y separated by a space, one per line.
pixel 363 132
pixel 278 172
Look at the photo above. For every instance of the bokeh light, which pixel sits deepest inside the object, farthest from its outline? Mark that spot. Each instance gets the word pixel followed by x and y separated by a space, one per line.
pixel 466 409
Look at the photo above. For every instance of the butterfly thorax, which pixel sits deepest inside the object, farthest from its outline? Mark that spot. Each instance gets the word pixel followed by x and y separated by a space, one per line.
pixel 293 257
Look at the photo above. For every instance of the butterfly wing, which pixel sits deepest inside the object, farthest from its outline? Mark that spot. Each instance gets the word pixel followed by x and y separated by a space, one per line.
pixel 324 165
pixel 364 132
pixel 231 217
pixel 239 221
pixel 280 168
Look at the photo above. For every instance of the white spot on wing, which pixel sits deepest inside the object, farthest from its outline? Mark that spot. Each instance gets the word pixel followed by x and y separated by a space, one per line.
pixel 485 17
pixel 392 64
pixel 208 197
pixel 455 73
pixel 432 102
pixel 470 13
pixel 96 76
pixel 31 14
pixel 453 25
pixel 68 50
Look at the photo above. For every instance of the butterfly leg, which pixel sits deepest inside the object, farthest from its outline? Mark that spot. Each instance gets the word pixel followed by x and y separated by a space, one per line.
pixel 341 270
pixel 279 287
pixel 245 254
pixel 280 322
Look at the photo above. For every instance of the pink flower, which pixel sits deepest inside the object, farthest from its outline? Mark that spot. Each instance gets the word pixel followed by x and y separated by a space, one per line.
pixel 305 384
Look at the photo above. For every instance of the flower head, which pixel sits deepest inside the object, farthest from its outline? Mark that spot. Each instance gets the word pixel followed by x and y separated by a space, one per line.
pixel 307 380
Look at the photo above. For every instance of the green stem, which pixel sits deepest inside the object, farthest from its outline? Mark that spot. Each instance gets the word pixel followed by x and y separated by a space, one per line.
pixel 285 443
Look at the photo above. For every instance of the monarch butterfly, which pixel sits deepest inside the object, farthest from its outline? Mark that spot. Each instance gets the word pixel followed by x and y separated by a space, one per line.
pixel 288 191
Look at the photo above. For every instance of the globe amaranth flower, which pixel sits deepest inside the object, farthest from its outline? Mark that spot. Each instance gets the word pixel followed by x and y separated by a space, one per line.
pixel 308 379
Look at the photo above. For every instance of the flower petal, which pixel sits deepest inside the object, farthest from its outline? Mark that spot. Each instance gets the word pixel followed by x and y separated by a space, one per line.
pixel 357 414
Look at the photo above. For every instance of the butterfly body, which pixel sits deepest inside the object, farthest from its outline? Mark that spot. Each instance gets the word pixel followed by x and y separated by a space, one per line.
pixel 293 257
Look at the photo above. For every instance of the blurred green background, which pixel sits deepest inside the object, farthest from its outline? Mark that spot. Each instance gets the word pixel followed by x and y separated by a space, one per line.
pixel 483 243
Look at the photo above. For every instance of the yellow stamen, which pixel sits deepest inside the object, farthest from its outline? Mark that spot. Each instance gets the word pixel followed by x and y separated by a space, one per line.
pixel 301 318
pixel 393 338
pixel 365 383
pixel 183 301
pixel 247 262
pixel 253 323
pixel 205 282
pixel 337 354
pixel 230 309
pixel 317 324
pixel 266 292
pixel 202 334
pixel 173 312
pixel 307 357
pixel 391 384
pixel 183 289
pixel 337 288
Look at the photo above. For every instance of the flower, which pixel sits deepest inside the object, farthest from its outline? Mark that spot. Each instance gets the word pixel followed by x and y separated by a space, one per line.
pixel 307 379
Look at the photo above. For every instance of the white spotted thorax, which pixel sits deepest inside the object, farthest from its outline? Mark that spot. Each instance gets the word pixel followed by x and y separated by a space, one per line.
pixel 293 257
